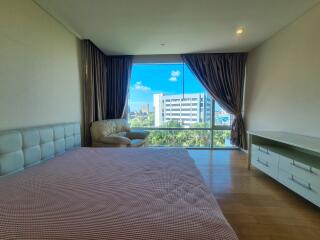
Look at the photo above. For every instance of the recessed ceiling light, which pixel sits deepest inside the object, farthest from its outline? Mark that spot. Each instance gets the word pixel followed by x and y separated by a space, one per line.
pixel 240 31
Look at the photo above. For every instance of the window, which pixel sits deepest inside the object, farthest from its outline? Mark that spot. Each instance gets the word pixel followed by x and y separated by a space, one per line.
pixel 170 102
pixel 221 117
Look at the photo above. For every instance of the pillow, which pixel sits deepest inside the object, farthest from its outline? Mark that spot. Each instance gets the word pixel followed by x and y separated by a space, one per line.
pixel 122 134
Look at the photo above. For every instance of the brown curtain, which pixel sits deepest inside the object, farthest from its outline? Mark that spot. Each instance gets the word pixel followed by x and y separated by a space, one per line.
pixel 223 75
pixel 94 65
pixel 118 75
pixel 105 85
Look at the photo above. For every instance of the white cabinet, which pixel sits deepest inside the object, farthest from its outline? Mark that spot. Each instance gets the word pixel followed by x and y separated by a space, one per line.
pixel 297 166
pixel 265 160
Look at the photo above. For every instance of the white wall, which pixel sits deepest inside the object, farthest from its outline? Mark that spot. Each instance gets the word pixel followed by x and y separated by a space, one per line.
pixel 39 68
pixel 165 58
pixel 283 79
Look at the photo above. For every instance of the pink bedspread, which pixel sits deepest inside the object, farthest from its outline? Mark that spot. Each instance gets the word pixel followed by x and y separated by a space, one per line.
pixel 113 194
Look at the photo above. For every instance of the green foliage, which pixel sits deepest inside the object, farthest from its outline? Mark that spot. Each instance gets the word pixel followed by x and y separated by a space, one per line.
pixel 142 120
pixel 179 138
pixel 220 136
pixel 171 124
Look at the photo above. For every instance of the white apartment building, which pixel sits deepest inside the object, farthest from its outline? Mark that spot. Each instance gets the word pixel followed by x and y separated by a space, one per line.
pixel 187 109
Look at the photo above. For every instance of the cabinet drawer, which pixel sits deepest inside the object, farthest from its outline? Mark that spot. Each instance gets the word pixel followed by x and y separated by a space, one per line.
pixel 300 170
pixel 265 166
pixel 300 186
pixel 264 154
pixel 265 160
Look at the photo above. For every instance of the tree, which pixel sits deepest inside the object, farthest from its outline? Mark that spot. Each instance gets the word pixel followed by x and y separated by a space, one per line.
pixel 179 138
pixel 220 137
pixel 141 120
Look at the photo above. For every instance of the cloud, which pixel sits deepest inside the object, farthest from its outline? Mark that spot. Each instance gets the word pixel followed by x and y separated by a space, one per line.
pixel 174 75
pixel 173 79
pixel 140 87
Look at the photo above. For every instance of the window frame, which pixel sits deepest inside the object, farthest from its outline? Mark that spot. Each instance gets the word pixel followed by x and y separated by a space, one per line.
pixel 212 128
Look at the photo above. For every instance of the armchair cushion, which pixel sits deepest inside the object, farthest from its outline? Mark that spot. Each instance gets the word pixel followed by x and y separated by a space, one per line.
pixel 106 127
pixel 115 139
pixel 137 143
pixel 137 134
pixel 122 134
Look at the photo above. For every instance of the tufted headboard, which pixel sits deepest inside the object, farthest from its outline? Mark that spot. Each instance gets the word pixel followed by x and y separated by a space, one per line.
pixel 25 147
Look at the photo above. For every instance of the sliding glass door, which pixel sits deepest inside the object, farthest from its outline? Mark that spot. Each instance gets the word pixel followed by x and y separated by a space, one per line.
pixel 168 101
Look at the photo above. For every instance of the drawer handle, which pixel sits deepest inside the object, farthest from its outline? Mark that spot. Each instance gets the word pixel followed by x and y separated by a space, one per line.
pixel 306 186
pixel 263 163
pixel 303 168
pixel 264 151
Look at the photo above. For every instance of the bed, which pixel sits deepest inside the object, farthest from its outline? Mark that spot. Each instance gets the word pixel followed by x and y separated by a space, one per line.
pixel 108 193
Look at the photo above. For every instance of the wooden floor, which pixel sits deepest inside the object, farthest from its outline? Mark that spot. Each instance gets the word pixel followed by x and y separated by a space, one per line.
pixel 256 206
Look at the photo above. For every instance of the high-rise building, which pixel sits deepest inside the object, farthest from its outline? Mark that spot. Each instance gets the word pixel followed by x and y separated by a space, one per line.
pixel 186 109
pixel 145 108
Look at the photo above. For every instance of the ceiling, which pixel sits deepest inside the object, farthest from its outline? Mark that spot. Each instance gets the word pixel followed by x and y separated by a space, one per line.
pixel 142 27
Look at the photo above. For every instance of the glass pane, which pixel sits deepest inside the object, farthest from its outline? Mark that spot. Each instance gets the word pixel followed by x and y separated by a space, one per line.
pixel 156 98
pixel 185 111
pixel 196 106
pixel 180 138
pixel 141 119
pixel 222 138
pixel 222 117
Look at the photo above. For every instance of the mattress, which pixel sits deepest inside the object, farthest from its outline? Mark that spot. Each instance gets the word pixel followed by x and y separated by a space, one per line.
pixel 114 194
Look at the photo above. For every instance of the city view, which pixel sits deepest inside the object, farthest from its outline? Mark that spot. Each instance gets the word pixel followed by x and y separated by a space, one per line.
pixel 183 119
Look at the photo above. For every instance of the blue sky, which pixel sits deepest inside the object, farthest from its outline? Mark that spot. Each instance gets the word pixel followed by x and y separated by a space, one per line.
pixel 148 79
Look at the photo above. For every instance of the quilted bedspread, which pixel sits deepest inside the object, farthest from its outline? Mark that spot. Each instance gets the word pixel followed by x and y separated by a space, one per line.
pixel 114 194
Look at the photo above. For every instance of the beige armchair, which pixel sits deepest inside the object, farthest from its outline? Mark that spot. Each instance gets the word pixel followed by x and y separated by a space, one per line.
pixel 116 133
